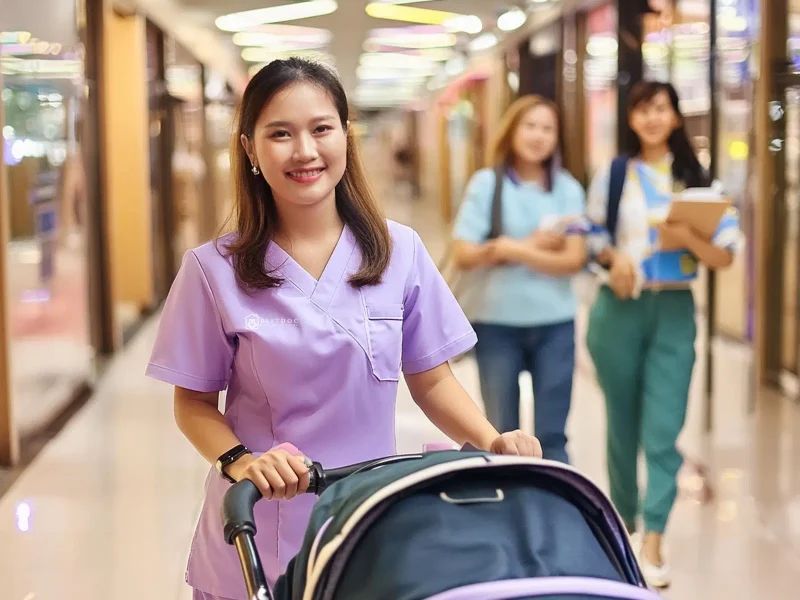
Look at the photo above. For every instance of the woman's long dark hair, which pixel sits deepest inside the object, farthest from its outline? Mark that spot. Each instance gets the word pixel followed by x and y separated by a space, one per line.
pixel 686 168
pixel 254 211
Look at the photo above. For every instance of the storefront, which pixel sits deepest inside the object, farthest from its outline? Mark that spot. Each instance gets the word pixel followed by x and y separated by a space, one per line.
pixel 186 91
pixel 462 136
pixel 220 107
pixel 179 213
pixel 104 184
pixel 600 94
pixel 50 209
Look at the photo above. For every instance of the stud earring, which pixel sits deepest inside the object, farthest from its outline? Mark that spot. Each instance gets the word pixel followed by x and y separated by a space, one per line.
pixel 255 170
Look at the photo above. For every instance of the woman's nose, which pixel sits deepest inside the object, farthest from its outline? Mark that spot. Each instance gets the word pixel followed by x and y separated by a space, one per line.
pixel 305 149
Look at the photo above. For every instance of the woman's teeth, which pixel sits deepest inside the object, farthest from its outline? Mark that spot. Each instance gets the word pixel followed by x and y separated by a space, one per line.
pixel 305 174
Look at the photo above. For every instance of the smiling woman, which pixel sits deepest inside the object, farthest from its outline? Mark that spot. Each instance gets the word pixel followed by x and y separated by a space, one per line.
pixel 297 158
pixel 309 321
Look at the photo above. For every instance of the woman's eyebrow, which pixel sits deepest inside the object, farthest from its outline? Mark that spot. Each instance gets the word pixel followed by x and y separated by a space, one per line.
pixel 288 124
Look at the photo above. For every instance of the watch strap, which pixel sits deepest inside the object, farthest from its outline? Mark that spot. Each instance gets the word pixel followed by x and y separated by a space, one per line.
pixel 230 457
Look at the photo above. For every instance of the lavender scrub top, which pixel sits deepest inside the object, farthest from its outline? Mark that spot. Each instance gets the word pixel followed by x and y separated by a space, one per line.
pixel 315 363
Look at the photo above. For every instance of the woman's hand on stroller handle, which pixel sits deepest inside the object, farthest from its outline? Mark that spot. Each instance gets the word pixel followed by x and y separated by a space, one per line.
pixel 517 443
pixel 241 498
pixel 280 474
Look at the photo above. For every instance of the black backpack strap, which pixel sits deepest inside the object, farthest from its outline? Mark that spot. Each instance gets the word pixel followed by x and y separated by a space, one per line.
pixel 497 202
pixel 616 183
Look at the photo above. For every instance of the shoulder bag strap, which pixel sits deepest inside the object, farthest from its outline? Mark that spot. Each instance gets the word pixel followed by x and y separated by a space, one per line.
pixel 497 202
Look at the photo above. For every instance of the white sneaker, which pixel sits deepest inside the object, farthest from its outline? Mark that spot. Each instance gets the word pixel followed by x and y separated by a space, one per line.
pixel 656 577
pixel 636 543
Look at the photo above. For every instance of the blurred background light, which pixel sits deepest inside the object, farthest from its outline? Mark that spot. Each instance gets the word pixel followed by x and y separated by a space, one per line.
pixel 242 21
pixel 511 20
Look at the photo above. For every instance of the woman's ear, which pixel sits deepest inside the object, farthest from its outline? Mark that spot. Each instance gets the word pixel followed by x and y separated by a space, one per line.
pixel 248 147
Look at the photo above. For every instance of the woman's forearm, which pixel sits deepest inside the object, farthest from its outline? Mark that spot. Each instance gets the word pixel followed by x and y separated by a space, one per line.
pixel 204 426
pixel 448 406
pixel 556 263
pixel 468 255
pixel 710 255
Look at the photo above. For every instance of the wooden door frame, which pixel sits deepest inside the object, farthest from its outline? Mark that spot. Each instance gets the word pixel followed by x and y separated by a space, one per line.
pixel 9 438
pixel 768 254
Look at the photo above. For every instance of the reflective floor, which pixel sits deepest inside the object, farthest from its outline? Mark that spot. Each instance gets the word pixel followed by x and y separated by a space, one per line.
pixel 107 509
pixel 50 348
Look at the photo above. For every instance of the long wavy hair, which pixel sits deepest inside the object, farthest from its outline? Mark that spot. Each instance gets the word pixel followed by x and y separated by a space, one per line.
pixel 502 149
pixel 254 211
pixel 686 168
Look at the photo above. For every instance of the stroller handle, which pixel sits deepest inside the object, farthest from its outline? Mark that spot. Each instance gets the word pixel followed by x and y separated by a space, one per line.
pixel 241 498
pixel 239 525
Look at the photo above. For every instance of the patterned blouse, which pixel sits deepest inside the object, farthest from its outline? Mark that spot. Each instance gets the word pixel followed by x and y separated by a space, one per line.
pixel 645 204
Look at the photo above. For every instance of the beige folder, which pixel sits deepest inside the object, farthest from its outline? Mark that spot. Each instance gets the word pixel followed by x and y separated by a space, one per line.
pixel 701 209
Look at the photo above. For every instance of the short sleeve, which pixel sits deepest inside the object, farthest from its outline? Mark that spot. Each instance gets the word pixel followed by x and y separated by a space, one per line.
pixel 596 208
pixel 435 329
pixel 191 349
pixel 728 234
pixel 474 218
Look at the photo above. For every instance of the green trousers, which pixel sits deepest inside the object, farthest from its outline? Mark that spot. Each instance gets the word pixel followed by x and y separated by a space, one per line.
pixel 643 351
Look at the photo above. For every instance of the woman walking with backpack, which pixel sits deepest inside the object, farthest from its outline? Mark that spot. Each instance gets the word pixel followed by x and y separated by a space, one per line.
pixel 642 326
pixel 525 308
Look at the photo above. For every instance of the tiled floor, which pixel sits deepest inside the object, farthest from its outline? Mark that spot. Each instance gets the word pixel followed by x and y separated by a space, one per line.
pixel 107 509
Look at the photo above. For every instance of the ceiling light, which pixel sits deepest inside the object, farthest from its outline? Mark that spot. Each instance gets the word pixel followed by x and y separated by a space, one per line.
pixel 466 23
pixel 415 40
pixel 483 42
pixel 511 20
pixel 436 54
pixel 258 38
pixel 242 21
pixel 455 66
pixel 393 60
pixel 409 14
pixel 601 46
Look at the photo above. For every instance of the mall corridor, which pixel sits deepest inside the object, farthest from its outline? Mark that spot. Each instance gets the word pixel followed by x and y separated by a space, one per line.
pixel 131 128
pixel 107 510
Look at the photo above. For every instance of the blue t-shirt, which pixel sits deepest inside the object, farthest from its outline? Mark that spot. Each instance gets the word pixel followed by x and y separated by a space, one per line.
pixel 515 294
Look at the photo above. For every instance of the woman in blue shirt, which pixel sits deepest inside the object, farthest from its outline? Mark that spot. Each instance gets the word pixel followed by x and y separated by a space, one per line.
pixel 524 308
pixel 642 326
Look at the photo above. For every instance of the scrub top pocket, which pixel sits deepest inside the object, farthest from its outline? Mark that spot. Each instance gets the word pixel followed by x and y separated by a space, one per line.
pixel 385 333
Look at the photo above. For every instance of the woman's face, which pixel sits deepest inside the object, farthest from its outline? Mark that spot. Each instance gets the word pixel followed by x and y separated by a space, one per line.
pixel 536 137
pixel 300 145
pixel 654 121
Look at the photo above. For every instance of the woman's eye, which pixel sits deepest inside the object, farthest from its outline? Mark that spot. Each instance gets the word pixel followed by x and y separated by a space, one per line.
pixel 279 134
pixel 323 129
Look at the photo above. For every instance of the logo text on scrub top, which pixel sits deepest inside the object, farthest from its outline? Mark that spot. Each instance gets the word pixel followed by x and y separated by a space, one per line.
pixel 253 321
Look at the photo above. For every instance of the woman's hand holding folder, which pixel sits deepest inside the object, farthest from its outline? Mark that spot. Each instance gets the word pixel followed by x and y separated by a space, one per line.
pixel 673 234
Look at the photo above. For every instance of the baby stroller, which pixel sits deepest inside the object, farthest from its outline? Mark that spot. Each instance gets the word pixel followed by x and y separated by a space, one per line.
pixel 448 525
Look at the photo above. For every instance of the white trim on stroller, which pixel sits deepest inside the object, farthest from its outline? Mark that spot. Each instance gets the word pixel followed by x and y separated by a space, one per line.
pixel 318 562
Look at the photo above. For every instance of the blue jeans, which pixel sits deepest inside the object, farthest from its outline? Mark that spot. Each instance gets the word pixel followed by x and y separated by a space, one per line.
pixel 547 352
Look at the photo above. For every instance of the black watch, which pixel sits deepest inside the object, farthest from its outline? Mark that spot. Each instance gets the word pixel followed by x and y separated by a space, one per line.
pixel 231 456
